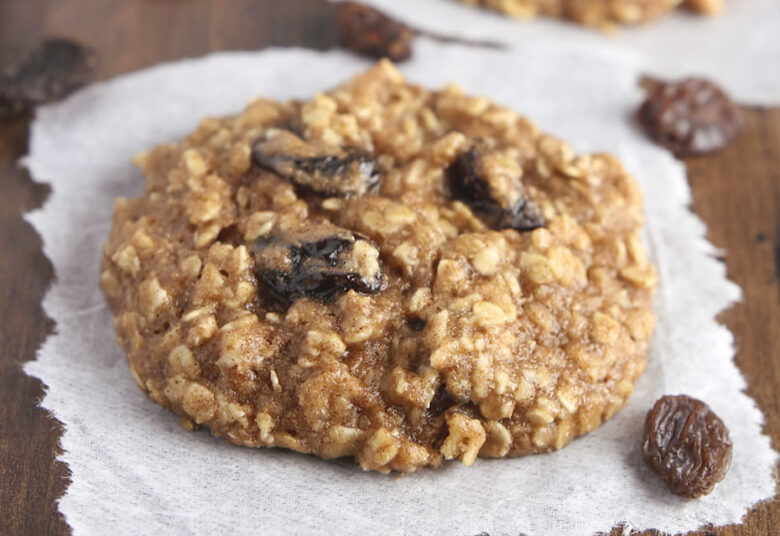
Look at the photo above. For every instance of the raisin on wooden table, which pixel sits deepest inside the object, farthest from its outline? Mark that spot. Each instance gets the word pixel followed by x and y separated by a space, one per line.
pixel 687 445
pixel 45 73
pixel 370 32
pixel 690 116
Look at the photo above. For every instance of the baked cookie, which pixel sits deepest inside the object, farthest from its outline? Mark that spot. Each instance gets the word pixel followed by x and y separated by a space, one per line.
pixel 603 14
pixel 385 272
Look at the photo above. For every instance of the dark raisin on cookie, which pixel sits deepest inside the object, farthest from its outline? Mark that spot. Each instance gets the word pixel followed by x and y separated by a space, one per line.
pixel 371 33
pixel 521 216
pixel 320 261
pixel 48 72
pixel 317 169
pixel 687 445
pixel 690 116
pixel 504 208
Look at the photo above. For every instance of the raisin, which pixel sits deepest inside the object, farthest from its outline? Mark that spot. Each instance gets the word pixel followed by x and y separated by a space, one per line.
pixel 317 169
pixel 470 184
pixel 320 262
pixel 45 73
pixel 687 445
pixel 521 216
pixel 370 32
pixel 690 116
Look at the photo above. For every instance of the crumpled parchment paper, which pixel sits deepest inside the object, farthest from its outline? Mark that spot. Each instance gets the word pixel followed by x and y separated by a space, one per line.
pixel 135 471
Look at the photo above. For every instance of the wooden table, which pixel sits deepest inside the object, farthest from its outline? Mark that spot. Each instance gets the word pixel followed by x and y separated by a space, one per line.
pixel 737 193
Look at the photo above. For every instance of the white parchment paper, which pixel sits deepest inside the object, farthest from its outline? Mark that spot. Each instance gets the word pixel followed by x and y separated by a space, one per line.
pixel 740 49
pixel 136 472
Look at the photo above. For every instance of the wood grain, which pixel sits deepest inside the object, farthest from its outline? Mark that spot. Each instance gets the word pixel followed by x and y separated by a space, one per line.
pixel 737 193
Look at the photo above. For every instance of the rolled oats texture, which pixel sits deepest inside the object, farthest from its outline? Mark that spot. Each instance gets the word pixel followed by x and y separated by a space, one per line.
pixel 132 463
pixel 537 328
pixel 674 45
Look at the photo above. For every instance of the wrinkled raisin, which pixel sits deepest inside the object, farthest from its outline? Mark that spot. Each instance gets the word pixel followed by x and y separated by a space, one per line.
pixel 687 445
pixel 372 33
pixel 500 208
pixel 690 116
pixel 320 262
pixel 317 169
pixel 45 73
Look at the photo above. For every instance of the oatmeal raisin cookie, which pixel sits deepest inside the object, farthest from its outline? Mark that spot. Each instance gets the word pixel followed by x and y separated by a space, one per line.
pixel 386 272
pixel 604 14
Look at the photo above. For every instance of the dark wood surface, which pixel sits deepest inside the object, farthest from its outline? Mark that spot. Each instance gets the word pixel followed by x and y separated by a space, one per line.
pixel 737 192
